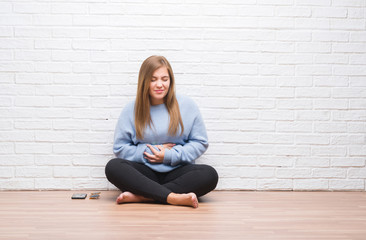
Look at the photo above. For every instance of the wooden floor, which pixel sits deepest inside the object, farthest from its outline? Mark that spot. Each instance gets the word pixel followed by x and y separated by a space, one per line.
pixel 221 215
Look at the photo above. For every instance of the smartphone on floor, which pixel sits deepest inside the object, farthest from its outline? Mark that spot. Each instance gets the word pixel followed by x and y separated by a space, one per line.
pixel 78 196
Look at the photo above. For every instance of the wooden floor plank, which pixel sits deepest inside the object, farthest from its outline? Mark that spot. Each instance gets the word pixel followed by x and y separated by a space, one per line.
pixel 221 215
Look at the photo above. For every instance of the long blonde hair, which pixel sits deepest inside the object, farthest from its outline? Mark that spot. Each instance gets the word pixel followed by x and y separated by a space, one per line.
pixel 142 103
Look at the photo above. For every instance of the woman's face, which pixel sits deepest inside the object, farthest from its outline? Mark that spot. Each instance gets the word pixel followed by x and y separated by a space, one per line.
pixel 159 85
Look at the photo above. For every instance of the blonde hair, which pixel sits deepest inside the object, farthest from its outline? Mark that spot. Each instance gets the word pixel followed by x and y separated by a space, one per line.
pixel 142 103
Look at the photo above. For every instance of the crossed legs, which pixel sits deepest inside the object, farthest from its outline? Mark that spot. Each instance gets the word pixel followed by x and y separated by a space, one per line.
pixel 181 186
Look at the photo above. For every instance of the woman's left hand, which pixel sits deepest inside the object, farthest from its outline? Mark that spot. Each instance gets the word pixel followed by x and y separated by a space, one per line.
pixel 158 156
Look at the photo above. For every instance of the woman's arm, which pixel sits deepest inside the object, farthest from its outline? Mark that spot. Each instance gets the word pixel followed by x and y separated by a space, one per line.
pixel 124 146
pixel 196 145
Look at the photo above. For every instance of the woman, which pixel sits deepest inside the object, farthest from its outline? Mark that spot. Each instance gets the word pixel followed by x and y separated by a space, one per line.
pixel 157 139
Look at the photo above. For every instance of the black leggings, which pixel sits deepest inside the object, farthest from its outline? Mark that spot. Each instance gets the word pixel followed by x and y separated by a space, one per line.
pixel 139 179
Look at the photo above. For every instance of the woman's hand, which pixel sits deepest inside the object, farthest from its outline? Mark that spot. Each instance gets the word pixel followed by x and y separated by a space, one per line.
pixel 169 145
pixel 158 156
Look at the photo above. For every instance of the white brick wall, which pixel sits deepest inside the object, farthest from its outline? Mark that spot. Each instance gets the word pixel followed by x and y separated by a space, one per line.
pixel 281 86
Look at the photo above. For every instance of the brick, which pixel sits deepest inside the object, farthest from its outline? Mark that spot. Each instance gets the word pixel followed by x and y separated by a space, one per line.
pixel 357 151
pixel 52 20
pixel 293 126
pixel 71 8
pixel 329 173
pixel 53 67
pixel 71 32
pixel 294 59
pixel 347 139
pixel 90 20
pixel 71 124
pixel 70 148
pixel 330 104
pixel 30 55
pixel 312 139
pixel 39 148
pixel 312 93
pixel 33 78
pixel 100 149
pixel 355 127
pixel 347 24
pixel 15 20
pixel 276 92
pixel 329 151
pixel 33 101
pixel 104 9
pixel 313 162
pixel 90 184
pixel 331 59
pixel 9 43
pixel 33 172
pixel 53 184
pixel 349 162
pixel 53 136
pixel 357 59
pixel 90 67
pixel 357 104
pixel 90 44
pixel 276 115
pixel 306 115
pixel 352 115
pixel 53 160
pixel 91 160
pixel 312 23
pixel 6 148
pixel 330 127
pixel 236 184
pixel 5 102
pixel 114 56
pixel 232 137
pixel 276 138
pixel 357 36
pixel 17 184
pixel 356 13
pixel 349 92
pixel 53 90
pixel 292 81
pixel 276 161
pixel 330 81
pixel 6 31
pixel 347 184
pixel 52 44
pixel 32 124
pixel 293 11
pixel 293 173
pixel 357 81
pixel 329 12
pixel 348 3
pixel 180 9
pixel 327 36
pixel 31 8
pixel 71 172
pixel 274 184
pixel 311 184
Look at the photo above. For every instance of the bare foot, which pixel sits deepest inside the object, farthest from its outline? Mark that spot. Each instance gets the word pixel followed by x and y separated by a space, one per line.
pixel 128 197
pixel 185 199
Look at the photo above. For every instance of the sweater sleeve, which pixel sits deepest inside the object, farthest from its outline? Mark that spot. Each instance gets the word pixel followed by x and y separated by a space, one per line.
pixel 193 148
pixel 123 146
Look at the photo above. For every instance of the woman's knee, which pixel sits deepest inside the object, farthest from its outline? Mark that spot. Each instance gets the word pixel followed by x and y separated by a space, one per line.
pixel 209 176
pixel 212 175
pixel 113 166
